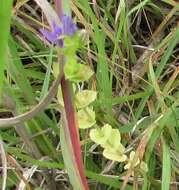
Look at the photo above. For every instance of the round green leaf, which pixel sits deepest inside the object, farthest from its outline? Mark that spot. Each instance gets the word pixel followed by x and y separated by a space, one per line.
pixel 84 98
pixel 114 155
pixel 101 135
pixel 86 118
pixel 114 142
pixel 77 72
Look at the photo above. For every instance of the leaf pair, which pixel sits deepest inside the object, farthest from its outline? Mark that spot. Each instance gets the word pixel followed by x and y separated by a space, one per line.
pixel 73 70
pixel 110 140
pixel 86 115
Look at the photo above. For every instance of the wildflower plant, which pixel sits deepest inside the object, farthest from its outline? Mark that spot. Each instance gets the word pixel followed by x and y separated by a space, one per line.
pixel 65 37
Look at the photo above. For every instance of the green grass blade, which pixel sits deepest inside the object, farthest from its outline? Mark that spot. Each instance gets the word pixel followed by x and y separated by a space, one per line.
pixel 47 76
pixel 16 69
pixel 5 15
pixel 122 18
pixel 104 85
pixel 123 99
pixel 166 167
pixel 173 42
pixel 138 7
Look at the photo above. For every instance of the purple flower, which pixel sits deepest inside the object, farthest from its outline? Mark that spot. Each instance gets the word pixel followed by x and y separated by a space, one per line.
pixel 67 28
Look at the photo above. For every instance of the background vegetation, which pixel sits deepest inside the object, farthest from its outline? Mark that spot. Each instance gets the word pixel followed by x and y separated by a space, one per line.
pixel 132 46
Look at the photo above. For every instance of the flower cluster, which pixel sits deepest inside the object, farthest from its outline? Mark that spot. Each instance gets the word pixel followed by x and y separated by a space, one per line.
pixel 56 35
pixel 64 37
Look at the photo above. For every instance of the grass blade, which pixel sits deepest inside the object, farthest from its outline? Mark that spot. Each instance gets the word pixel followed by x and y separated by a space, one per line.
pixel 166 170
pixel 104 85
pixel 5 15
pixel 47 76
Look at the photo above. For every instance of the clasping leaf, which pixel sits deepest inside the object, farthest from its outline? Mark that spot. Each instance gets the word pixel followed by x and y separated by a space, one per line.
pixel 86 118
pixel 84 98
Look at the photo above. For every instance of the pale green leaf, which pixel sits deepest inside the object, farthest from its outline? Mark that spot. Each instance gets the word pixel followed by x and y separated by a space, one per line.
pixel 71 45
pixel 86 118
pixel 77 72
pixel 84 98
pixel 114 155
pixel 114 142
pixel 101 135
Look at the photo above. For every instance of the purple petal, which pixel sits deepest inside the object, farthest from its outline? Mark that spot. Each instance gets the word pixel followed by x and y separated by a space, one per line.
pixel 73 28
pixel 57 30
pixel 69 28
pixel 50 36
pixel 64 18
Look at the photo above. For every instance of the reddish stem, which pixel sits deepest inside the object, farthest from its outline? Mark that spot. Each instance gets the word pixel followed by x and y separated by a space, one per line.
pixel 73 128
pixel 71 115
pixel 58 7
